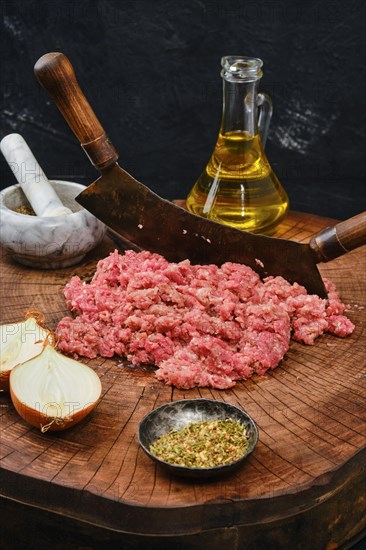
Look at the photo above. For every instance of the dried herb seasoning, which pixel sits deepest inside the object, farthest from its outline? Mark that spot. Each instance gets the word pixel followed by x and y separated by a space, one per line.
pixel 203 444
pixel 24 209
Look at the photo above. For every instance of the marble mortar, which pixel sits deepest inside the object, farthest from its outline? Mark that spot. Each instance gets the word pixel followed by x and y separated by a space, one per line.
pixel 48 242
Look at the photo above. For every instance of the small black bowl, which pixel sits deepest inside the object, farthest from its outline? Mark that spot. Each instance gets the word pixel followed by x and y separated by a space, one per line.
pixel 176 415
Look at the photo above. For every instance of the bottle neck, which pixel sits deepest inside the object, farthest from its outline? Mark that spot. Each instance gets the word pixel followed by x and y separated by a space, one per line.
pixel 240 107
pixel 240 76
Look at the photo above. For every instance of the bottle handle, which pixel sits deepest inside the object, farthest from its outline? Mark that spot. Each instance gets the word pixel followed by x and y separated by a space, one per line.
pixel 265 107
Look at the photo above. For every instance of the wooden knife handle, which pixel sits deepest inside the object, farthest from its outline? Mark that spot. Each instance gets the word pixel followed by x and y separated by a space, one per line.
pixel 56 74
pixel 343 237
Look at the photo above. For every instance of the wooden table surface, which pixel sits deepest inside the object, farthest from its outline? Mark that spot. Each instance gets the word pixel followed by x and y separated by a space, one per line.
pixel 307 474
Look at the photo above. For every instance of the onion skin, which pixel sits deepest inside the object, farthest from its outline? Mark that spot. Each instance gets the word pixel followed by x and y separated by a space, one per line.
pixel 49 423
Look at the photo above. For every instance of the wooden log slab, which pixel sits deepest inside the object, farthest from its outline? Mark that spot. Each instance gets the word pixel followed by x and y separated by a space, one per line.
pixel 303 487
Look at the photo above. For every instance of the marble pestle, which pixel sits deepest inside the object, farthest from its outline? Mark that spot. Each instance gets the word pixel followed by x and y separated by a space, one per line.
pixel 33 181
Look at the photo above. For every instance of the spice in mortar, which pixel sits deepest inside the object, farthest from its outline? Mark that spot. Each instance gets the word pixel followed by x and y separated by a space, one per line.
pixel 203 445
pixel 25 209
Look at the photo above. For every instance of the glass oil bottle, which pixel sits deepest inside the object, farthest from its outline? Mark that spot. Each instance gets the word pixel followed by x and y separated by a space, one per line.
pixel 238 186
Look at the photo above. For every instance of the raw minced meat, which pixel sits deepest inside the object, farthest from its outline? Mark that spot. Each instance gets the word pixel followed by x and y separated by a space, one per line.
pixel 201 325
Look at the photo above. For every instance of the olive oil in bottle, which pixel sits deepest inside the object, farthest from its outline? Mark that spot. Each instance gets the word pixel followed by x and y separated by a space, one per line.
pixel 238 186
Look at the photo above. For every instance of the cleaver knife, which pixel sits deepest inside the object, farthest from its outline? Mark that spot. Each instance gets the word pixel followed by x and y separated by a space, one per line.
pixel 143 220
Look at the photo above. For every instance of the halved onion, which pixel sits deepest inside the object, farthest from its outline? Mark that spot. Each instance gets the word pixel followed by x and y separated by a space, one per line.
pixel 20 342
pixel 52 391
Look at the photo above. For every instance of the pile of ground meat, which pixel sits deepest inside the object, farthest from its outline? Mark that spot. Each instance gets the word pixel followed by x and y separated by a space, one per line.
pixel 201 325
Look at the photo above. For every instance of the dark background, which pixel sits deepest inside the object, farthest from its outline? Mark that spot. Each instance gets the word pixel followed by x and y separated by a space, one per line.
pixel 151 70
